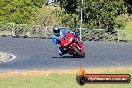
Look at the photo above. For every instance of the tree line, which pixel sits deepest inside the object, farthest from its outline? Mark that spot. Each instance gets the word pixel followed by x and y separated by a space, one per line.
pixel 96 13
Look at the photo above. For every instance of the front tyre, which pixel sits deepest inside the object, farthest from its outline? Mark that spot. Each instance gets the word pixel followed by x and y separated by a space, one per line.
pixel 78 52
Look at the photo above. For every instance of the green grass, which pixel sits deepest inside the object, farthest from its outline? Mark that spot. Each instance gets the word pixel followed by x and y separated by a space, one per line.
pixel 128 35
pixel 125 19
pixel 56 81
pixel 128 26
pixel 128 31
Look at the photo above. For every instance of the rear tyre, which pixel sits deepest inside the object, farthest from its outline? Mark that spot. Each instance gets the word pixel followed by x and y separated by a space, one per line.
pixel 78 52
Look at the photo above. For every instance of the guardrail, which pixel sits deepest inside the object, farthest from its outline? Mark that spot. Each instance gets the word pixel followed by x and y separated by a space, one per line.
pixel 104 35
pixel 38 31
pixel 25 30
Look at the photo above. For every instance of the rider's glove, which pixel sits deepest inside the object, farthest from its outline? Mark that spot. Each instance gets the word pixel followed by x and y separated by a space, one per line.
pixel 58 45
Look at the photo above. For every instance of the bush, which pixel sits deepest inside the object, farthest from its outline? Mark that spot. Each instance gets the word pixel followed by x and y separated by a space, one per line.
pixel 102 13
pixel 55 15
pixel 19 11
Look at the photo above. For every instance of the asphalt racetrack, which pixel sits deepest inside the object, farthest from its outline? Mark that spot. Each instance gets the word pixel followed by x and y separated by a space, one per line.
pixel 42 54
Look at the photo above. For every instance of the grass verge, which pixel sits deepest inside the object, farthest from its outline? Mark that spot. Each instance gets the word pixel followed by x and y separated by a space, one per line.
pixel 128 29
pixel 5 33
pixel 56 78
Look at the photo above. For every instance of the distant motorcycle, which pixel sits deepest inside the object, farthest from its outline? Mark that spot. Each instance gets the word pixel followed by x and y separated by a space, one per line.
pixel 72 46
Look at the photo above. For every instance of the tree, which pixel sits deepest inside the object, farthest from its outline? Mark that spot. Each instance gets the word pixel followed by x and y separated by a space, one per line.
pixel 19 11
pixel 44 16
pixel 102 13
pixel 70 6
pixel 129 5
pixel 96 13
pixel 39 3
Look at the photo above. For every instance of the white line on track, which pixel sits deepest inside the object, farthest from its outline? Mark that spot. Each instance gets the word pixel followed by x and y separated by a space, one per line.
pixel 11 57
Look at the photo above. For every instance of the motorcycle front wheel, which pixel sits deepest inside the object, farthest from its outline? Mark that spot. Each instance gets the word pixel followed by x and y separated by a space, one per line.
pixel 78 52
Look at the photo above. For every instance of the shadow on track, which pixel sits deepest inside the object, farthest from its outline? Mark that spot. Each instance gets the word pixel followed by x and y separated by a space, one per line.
pixel 66 57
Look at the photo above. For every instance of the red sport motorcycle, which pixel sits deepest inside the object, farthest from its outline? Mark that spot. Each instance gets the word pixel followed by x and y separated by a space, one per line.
pixel 72 46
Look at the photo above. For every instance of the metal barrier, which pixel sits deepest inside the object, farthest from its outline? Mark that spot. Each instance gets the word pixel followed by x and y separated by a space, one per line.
pixel 125 35
pixel 104 35
pixel 25 30
pixel 38 31
pixel 6 29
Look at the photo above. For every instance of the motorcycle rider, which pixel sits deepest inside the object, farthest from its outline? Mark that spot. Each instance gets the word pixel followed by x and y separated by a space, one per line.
pixel 60 33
